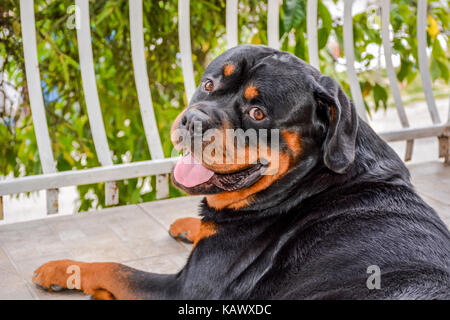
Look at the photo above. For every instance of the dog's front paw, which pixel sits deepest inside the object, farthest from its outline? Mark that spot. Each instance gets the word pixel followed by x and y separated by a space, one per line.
pixel 54 275
pixel 68 274
pixel 185 229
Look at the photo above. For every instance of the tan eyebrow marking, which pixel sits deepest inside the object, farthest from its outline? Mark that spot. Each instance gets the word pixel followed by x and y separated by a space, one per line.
pixel 250 92
pixel 228 69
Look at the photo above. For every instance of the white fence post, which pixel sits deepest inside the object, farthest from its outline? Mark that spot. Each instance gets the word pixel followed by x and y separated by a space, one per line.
pixel 144 94
pixel 350 60
pixel 232 23
pixel 311 28
pixel 91 96
pixel 385 22
pixel 273 9
pixel 423 60
pixel 36 100
pixel 184 35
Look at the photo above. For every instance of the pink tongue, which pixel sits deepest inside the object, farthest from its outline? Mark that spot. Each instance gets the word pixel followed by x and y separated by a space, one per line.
pixel 190 173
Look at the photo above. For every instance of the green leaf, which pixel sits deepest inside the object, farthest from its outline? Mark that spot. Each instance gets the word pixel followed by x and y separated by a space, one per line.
pixel 325 16
pixel 434 69
pixel 443 67
pixel 294 13
pixel 405 69
pixel 437 51
pixel 323 37
pixel 300 49
pixel 380 96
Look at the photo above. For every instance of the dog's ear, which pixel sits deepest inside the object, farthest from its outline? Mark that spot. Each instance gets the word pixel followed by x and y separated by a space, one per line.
pixel 339 145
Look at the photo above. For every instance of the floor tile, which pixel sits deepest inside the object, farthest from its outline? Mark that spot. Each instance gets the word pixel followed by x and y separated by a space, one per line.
pixel 154 264
pixel 167 211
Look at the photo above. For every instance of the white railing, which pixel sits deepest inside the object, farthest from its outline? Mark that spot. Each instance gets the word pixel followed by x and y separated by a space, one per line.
pixel 51 180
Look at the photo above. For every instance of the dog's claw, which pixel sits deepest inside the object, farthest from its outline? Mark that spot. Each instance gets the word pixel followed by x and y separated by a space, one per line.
pixel 182 237
pixel 40 287
pixel 56 287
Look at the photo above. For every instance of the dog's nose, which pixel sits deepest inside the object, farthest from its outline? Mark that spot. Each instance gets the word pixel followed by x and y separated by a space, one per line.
pixel 195 121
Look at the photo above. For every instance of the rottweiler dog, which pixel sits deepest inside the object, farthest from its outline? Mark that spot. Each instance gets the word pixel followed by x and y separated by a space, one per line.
pixel 335 218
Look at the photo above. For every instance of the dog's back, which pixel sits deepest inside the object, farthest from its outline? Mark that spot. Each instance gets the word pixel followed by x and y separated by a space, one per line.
pixel 393 235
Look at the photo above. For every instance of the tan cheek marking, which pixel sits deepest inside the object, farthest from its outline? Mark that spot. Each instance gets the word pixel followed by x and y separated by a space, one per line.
pixel 293 140
pixel 242 198
pixel 228 69
pixel 250 92
pixel 332 113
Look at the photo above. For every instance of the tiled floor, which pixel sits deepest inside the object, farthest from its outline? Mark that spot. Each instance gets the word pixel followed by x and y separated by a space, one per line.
pixel 135 235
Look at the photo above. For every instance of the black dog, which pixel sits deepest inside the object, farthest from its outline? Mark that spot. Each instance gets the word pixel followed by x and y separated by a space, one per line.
pixel 338 205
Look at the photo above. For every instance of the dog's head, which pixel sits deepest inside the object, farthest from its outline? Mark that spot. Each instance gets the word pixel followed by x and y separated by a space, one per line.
pixel 258 114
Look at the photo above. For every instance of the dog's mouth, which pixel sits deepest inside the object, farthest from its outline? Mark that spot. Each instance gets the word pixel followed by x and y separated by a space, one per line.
pixel 194 178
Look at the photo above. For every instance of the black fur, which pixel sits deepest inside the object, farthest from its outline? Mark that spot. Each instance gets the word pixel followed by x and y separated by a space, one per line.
pixel 347 204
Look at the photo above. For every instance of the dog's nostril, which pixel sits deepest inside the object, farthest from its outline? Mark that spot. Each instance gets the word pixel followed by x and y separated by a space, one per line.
pixel 195 122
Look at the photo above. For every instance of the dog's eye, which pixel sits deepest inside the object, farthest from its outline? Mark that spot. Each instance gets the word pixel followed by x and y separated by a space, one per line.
pixel 208 85
pixel 256 114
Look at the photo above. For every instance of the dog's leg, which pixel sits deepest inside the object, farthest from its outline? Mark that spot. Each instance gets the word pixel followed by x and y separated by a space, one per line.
pixel 185 229
pixel 104 280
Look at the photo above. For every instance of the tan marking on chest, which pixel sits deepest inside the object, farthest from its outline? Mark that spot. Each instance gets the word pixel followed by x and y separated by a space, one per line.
pixel 207 229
